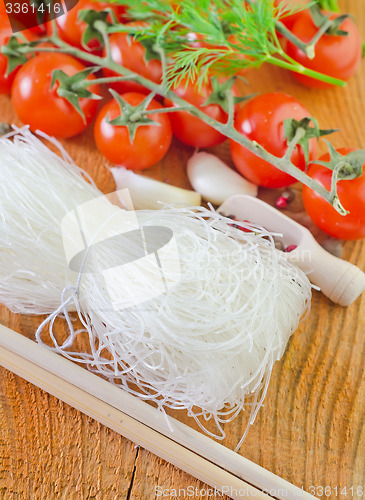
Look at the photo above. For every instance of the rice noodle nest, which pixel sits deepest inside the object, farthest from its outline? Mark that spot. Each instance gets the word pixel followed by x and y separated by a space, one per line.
pixel 207 344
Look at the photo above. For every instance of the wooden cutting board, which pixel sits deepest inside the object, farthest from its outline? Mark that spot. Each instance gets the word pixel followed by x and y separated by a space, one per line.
pixel 311 428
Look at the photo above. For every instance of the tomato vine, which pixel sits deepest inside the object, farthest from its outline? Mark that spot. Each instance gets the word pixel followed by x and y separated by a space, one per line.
pixel 185 63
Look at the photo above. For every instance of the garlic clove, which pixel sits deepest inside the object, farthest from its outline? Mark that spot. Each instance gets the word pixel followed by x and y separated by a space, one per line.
pixel 214 180
pixel 150 194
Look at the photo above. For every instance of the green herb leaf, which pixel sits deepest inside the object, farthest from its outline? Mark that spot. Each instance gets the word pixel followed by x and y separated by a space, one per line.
pixel 236 34
pixel 252 26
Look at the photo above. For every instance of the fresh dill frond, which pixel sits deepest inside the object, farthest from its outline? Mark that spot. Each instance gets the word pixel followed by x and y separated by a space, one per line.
pixel 287 9
pixel 199 38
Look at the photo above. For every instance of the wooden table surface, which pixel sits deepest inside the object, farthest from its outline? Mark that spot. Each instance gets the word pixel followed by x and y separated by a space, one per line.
pixel 311 428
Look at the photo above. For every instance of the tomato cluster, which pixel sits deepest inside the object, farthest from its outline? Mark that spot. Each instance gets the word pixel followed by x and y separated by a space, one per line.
pixel 335 55
pixel 38 102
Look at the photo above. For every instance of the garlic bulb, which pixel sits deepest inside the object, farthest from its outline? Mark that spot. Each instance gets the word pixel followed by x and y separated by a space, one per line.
pixel 214 180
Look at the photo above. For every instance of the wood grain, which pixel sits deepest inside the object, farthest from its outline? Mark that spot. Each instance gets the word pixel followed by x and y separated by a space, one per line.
pixel 311 428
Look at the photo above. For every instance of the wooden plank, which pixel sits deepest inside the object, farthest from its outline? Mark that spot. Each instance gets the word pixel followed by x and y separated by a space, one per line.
pixel 191 451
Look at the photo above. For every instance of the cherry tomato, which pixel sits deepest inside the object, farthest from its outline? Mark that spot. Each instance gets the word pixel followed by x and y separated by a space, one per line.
pixel 132 55
pixel 337 56
pixel 38 104
pixel 71 29
pixel 289 21
pixel 352 196
pixel 150 143
pixel 262 120
pixel 190 129
pixel 6 32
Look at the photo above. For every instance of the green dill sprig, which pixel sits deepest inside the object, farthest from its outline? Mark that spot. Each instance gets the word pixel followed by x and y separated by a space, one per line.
pixel 232 35
pixel 287 9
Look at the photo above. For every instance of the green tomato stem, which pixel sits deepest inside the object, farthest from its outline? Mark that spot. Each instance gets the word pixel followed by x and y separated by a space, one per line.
pixel 283 30
pixel 322 30
pixel 103 30
pixel 334 199
pixel 307 48
pixel 299 134
pixel 163 111
pixel 101 81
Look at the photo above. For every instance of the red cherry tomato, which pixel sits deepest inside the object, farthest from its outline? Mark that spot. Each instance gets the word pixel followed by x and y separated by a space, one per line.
pixel 262 120
pixel 38 104
pixel 71 29
pixel 6 32
pixel 132 55
pixel 190 129
pixel 289 21
pixel 337 56
pixel 150 143
pixel 352 196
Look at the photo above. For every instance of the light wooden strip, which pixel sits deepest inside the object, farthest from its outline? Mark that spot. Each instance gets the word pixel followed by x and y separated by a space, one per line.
pixel 182 446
